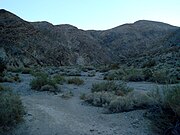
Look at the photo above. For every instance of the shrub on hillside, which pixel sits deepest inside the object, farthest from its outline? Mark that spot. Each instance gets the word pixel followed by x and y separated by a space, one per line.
pixel 11 109
pixel 75 80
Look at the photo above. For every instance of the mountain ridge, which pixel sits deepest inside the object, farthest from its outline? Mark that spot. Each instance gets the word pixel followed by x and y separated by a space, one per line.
pixel 34 43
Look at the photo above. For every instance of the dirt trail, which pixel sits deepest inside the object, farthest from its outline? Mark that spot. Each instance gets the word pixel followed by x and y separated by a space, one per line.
pixel 49 114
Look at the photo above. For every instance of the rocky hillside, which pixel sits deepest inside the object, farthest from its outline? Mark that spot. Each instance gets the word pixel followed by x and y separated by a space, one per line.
pixel 41 43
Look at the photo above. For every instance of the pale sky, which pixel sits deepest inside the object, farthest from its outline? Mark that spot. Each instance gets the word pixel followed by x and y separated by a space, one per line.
pixel 95 14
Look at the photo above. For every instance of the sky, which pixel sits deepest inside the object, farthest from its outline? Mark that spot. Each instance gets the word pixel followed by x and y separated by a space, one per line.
pixel 95 14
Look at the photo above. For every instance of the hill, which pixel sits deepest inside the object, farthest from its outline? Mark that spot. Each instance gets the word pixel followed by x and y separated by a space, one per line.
pixel 42 43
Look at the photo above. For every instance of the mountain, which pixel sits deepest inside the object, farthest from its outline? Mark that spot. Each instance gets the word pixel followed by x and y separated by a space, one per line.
pixel 42 43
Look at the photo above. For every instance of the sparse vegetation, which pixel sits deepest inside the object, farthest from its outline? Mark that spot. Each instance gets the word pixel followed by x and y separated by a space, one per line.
pixel 132 101
pixel 75 80
pixel 43 83
pixel 22 70
pixel 159 75
pixel 118 89
pixel 59 79
pixel 11 111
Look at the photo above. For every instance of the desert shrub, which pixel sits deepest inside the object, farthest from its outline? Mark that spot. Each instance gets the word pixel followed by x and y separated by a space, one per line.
pixel 82 96
pixel 39 74
pixel 134 100
pixel 133 74
pixel 165 115
pixel 75 80
pixel 41 81
pixel 115 75
pixel 160 76
pixel 103 68
pixel 59 79
pixel 11 109
pixel 100 99
pixel 130 74
pixel 148 73
pixel 118 89
pixel 114 66
pixel 172 98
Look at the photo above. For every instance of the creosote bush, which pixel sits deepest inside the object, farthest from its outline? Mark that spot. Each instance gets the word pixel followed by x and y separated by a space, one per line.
pixel 75 80
pixel 11 109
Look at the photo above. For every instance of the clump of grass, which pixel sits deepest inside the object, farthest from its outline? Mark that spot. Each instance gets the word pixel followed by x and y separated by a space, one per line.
pixel 75 80
pixel 59 79
pixel 11 111
pixel 118 89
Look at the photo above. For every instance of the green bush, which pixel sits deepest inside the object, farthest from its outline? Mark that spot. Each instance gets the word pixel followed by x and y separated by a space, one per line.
pixel 59 79
pixel 118 89
pixel 102 98
pixel 132 101
pixel 41 81
pixel 162 76
pixel 115 75
pixel 166 113
pixel 135 75
pixel 172 98
pixel 75 80
pixel 11 109
pixel 148 74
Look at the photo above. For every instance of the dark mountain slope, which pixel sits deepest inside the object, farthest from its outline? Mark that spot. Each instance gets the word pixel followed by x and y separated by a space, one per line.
pixel 31 43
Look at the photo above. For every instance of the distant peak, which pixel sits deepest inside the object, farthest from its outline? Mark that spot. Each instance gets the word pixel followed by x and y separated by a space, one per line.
pixel 3 11
pixel 67 26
